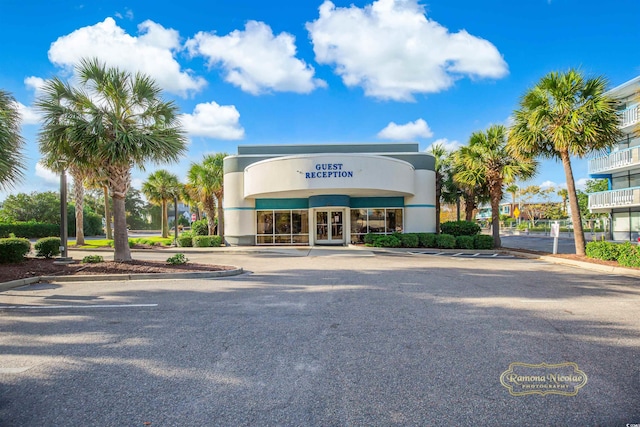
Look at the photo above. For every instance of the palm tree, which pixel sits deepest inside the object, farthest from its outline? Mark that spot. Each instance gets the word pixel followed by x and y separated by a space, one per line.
pixel 160 188
pixel 11 142
pixel 442 165
pixel 566 115
pixel 205 183
pixel 488 160
pixel 565 196
pixel 116 120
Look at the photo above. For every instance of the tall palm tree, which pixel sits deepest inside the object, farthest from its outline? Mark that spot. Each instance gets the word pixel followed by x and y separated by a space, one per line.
pixel 488 160
pixel 205 183
pixel 11 142
pixel 160 188
pixel 116 120
pixel 442 165
pixel 566 115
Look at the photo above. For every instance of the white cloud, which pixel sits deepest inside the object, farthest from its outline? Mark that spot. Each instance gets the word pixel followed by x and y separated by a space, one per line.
pixel 48 176
pixel 449 146
pixel 256 60
pixel 29 115
pixel 548 184
pixel 581 184
pixel 34 83
pixel 152 52
pixel 214 121
pixel 411 130
pixel 394 51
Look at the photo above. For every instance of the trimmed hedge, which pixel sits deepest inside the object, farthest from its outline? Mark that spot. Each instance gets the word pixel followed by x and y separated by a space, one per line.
pixel 625 254
pixel 48 247
pixel 200 227
pixel 29 229
pixel 409 240
pixel 464 242
pixel 386 241
pixel 185 240
pixel 629 255
pixel 13 249
pixel 206 241
pixel 482 241
pixel 460 228
pixel 445 241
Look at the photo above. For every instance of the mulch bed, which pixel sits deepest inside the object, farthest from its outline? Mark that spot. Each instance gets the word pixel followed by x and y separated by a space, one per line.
pixel 32 267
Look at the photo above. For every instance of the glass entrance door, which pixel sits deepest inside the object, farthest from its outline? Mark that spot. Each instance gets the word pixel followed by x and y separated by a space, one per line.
pixel 329 227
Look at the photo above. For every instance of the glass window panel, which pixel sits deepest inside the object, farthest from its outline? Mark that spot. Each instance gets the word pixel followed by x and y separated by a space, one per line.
pixel 357 238
pixel 283 222
pixel 264 240
pixel 300 238
pixel 635 221
pixel 634 180
pixel 394 220
pixel 619 182
pixel 336 225
pixel 299 222
pixel 376 220
pixel 358 220
pixel 265 222
pixel 621 221
pixel 283 239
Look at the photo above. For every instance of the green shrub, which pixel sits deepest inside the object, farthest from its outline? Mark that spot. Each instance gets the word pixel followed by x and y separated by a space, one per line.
pixel 207 241
pixel 216 241
pixel 428 240
pixel 369 238
pixel 629 255
pixel 185 239
pixel 13 249
pixel 445 241
pixel 386 241
pixel 177 259
pixel 464 242
pixel 409 240
pixel 200 227
pixel 29 230
pixel 482 241
pixel 603 250
pixel 48 247
pixel 460 228
pixel 92 259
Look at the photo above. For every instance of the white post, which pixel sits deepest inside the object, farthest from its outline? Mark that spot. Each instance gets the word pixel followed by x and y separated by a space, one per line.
pixel 555 232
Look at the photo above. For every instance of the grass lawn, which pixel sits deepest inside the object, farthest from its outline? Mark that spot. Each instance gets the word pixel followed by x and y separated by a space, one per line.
pixel 106 243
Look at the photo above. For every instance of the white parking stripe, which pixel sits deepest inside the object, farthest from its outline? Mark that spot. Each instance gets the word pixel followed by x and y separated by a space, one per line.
pixel 45 307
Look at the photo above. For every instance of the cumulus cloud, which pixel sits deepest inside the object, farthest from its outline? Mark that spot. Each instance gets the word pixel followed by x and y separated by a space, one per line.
pixel 256 60
pixel 34 83
pixel 213 121
pixel 47 175
pixel 548 184
pixel 392 50
pixel 581 184
pixel 449 146
pixel 151 52
pixel 28 114
pixel 411 130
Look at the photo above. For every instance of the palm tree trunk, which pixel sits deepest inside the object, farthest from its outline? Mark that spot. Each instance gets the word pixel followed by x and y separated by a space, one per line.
pixel 469 206
pixel 121 236
pixel 220 217
pixel 78 196
pixel 209 208
pixel 438 195
pixel 107 212
pixel 496 196
pixel 165 219
pixel 578 233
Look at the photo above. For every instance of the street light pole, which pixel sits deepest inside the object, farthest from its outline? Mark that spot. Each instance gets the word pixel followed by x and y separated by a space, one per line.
pixel 175 220
pixel 64 253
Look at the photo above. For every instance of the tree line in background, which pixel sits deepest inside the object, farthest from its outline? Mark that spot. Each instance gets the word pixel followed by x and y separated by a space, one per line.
pixel 115 120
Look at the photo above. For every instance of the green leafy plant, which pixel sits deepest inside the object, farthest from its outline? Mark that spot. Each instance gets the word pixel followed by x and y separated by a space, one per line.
pixel 482 241
pixel 92 259
pixel 427 240
pixel 177 259
pixel 48 247
pixel 629 255
pixel 603 250
pixel 409 240
pixel 13 250
pixel 464 242
pixel 200 227
pixel 460 228
pixel 445 241
pixel 386 241
pixel 185 239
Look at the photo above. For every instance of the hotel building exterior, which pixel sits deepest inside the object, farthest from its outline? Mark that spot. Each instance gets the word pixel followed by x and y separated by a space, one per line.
pixel 621 167
pixel 326 194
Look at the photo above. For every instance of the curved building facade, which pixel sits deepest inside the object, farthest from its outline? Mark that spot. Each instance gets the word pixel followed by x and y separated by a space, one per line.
pixel 326 194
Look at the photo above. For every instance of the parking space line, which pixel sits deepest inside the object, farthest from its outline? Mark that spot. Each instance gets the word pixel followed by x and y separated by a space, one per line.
pixel 48 307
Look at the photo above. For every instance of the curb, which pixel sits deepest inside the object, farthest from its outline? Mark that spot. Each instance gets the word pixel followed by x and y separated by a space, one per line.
pixel 134 276
pixel 622 271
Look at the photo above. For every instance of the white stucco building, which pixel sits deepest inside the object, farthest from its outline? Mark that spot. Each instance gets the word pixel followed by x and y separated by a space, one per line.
pixel 621 167
pixel 326 194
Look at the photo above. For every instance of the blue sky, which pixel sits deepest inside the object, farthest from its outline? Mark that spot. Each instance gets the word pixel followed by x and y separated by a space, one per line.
pixel 285 72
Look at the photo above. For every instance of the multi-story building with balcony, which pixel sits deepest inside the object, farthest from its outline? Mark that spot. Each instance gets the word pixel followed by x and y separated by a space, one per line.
pixel 621 167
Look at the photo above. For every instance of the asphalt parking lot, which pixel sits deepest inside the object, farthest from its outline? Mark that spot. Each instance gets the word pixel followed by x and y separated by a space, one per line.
pixel 322 339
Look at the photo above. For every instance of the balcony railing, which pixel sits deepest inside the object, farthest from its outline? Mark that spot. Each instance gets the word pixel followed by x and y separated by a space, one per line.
pixel 626 197
pixel 629 116
pixel 616 160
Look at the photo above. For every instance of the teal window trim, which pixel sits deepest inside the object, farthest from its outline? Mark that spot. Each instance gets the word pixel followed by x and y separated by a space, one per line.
pixel 376 202
pixel 420 206
pixel 278 204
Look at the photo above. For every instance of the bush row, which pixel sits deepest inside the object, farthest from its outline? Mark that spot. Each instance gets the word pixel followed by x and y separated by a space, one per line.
pixel 29 229
pixel 13 249
pixel 429 240
pixel 625 254
pixel 460 228
pixel 189 240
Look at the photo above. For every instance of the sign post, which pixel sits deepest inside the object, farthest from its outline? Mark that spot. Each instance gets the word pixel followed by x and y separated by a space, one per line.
pixel 555 233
